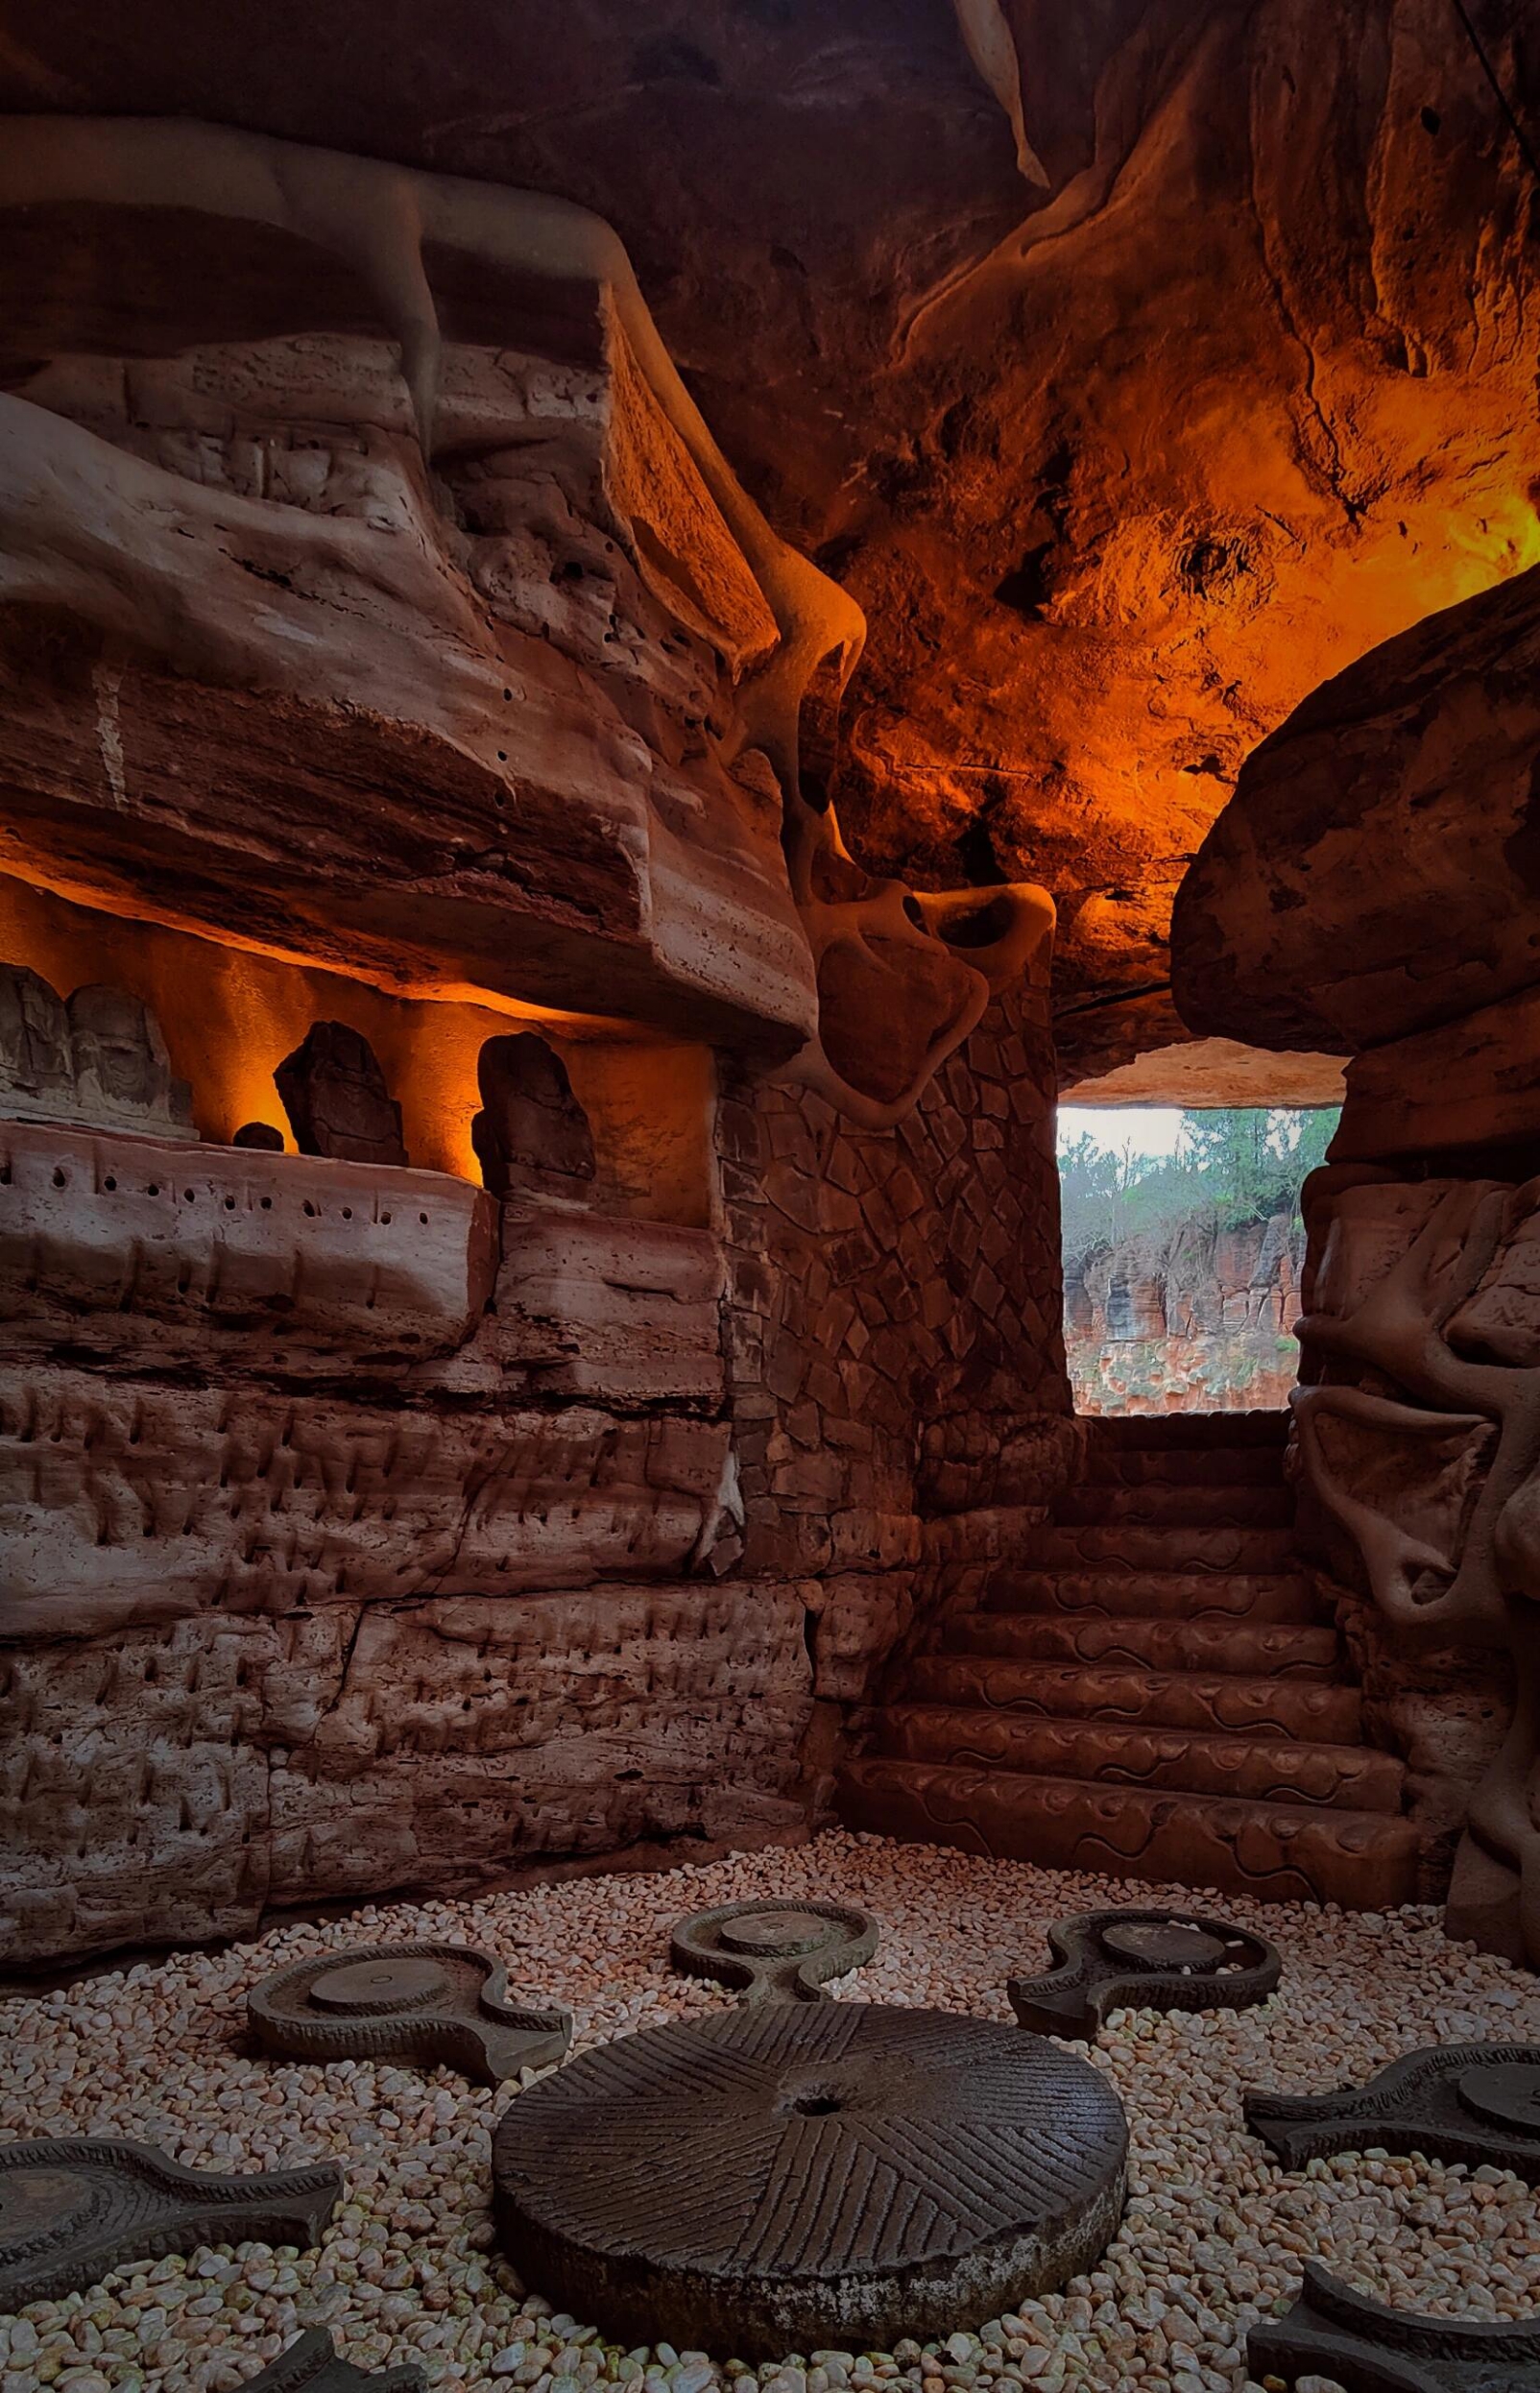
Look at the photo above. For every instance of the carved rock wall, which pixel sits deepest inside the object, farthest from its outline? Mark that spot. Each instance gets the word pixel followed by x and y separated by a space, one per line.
pixel 364 1531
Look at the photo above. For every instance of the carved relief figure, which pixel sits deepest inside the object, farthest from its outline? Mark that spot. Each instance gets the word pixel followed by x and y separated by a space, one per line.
pixel 1421 1438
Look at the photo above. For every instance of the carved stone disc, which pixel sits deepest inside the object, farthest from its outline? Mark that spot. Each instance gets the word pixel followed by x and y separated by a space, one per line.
pixel 800 2176
pixel 381 1985
pixel 777 1933
pixel 1474 2103
pixel 426 2003
pixel 1159 1960
pixel 1164 1944
pixel 1508 2095
pixel 772 1952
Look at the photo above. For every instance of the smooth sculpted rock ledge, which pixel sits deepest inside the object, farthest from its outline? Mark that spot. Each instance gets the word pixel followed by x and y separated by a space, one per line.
pixel 803 2175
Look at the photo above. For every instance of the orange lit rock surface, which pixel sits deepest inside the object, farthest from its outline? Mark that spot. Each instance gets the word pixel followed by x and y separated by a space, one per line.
pixel 1377 871
pixel 1113 498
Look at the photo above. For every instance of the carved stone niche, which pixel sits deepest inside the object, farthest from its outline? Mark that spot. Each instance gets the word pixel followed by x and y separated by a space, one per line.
pixel 99 1060
pixel 531 1137
pixel 335 1097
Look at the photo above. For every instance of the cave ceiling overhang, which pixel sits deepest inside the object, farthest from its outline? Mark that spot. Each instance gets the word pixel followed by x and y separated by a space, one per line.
pixel 1125 423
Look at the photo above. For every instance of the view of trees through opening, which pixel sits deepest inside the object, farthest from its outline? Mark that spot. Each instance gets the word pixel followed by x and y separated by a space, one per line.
pixel 1183 1247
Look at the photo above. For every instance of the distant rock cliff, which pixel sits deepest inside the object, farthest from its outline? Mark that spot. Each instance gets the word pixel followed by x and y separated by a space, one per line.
pixel 1199 1318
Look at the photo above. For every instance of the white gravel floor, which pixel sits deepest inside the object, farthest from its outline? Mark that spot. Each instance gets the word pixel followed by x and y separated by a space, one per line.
pixel 1215 2232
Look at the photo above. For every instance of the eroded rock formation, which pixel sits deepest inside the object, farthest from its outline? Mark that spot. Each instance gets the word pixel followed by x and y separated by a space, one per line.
pixel 394 470
pixel 1197 1318
pixel 1373 880
pixel 1113 498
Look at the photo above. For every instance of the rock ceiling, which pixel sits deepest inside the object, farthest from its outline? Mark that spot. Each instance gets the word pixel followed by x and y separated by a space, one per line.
pixel 1126 427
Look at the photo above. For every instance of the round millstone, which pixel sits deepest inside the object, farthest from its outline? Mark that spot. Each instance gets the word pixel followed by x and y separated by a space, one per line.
pixel 808 2176
pixel 778 1933
pixel 1165 1945
pixel 1506 2093
pixel 388 1984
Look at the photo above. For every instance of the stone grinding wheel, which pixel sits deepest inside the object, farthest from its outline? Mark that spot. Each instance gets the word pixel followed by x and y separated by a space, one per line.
pixel 808 2176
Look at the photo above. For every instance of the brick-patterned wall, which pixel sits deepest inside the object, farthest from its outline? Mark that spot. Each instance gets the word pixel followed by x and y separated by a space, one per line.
pixel 894 1343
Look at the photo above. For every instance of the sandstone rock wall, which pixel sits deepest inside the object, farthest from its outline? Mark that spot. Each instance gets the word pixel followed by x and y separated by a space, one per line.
pixel 363 1530
pixel 1199 1318
pixel 1373 880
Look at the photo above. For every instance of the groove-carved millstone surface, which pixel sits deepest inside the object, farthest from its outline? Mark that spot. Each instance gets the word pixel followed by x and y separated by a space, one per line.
pixel 72 2208
pixel 775 1951
pixel 804 2175
pixel 311 2365
pixel 1154 1960
pixel 1477 2103
pixel 1333 2332
pixel 423 2002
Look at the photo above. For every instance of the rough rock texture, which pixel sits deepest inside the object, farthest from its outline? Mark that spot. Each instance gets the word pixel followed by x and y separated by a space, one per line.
pixel 1467 1091
pixel 1377 871
pixel 1419 1445
pixel 1207 1072
pixel 100 1058
pixel 1197 1319
pixel 531 1133
pixel 335 1097
pixel 1374 881
pixel 1113 500
pixel 365 1532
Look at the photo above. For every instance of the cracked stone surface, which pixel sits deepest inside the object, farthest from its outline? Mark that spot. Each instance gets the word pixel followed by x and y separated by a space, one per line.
pixel 856 2173
pixel 1476 2103
pixel 1336 2333
pixel 72 2208
pixel 419 2002
pixel 1148 1960
pixel 775 1952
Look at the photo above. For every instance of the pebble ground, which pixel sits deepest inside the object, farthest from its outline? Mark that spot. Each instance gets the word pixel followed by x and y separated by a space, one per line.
pixel 1214 2236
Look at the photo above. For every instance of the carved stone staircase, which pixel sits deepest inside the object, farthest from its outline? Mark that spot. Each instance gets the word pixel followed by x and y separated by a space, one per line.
pixel 1151 1693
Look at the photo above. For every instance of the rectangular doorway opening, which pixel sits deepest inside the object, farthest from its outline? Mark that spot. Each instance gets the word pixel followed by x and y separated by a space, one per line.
pixel 1183 1248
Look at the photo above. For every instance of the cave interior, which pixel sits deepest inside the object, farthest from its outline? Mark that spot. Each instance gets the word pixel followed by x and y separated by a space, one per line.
pixel 626 650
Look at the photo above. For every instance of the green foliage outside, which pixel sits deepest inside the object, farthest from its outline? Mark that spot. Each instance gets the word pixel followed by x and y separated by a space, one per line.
pixel 1230 1166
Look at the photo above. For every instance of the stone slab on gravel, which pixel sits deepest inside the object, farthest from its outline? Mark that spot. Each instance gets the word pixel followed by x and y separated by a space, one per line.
pixel 810 2175
pixel 1214 2239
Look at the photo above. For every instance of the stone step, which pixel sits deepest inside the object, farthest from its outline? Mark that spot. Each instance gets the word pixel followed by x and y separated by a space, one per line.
pixel 1182 1467
pixel 1288 1852
pixel 1217 1700
pixel 1160 1506
pixel 1155 1595
pixel 1127 1547
pixel 1188 1430
pixel 1242 1648
pixel 1270 1770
